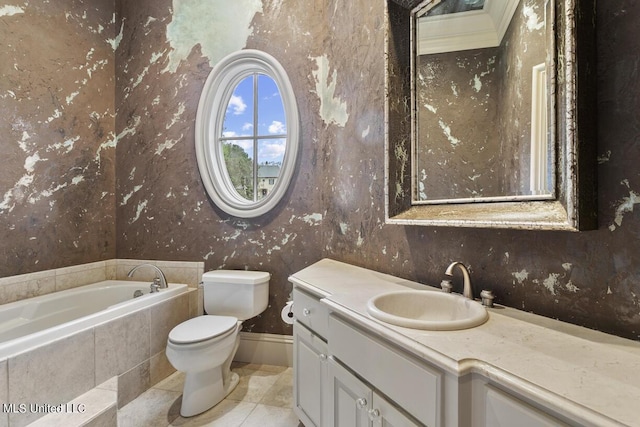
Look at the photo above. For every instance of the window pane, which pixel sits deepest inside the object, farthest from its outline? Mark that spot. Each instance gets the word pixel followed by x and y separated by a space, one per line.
pixel 271 151
pixel 238 118
pixel 240 166
pixel 271 117
pixel 267 177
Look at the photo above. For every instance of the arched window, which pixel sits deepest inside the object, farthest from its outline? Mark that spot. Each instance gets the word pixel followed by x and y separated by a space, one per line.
pixel 247 133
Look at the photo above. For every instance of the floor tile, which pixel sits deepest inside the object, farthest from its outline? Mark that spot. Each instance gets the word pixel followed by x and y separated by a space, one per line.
pixel 281 392
pixel 271 416
pixel 253 385
pixel 262 398
pixel 154 407
pixel 228 413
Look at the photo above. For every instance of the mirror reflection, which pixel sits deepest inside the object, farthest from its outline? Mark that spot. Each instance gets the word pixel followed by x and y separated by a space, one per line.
pixel 481 130
pixel 253 135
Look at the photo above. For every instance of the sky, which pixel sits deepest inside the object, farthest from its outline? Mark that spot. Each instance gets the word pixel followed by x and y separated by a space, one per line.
pixel 239 118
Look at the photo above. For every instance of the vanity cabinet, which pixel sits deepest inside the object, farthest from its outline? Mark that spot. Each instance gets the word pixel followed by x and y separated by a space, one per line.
pixel 493 406
pixel 345 377
pixel 414 386
pixel 504 410
pixel 311 377
pixel 355 404
pixel 310 360
pixel 515 370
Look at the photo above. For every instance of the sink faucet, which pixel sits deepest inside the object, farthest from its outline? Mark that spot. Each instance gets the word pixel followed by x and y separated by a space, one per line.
pixel 160 279
pixel 467 290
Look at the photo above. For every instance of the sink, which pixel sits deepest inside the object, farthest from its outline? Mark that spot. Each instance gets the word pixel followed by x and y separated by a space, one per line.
pixel 429 310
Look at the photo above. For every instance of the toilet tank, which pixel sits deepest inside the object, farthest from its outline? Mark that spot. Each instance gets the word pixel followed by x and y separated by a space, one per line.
pixel 238 293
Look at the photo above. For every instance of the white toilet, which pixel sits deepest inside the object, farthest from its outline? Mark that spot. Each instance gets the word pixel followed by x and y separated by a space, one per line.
pixel 203 347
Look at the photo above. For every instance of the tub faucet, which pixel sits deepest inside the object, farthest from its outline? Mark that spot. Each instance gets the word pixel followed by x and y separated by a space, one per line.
pixel 160 279
pixel 467 290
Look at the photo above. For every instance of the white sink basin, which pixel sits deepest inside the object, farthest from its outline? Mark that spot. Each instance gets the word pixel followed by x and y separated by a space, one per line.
pixel 430 310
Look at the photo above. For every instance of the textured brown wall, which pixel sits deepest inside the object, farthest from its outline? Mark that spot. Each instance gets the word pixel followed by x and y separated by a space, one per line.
pixel 57 123
pixel 333 53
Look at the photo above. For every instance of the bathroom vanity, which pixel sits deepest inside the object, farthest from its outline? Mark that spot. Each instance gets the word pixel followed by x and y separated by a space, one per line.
pixel 515 369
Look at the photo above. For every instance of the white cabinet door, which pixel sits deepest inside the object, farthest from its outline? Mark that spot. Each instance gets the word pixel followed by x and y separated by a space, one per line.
pixel 310 377
pixel 384 414
pixel 355 404
pixel 350 398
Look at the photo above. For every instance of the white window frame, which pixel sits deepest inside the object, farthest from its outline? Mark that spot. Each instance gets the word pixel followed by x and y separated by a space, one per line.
pixel 212 107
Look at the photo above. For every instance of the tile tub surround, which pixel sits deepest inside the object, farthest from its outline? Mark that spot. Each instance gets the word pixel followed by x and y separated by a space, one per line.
pixel 15 288
pixel 583 374
pixel 263 398
pixel 94 355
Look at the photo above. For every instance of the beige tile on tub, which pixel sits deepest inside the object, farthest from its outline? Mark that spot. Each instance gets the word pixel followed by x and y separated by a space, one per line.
pixel 4 392
pixel 54 373
pixel 80 276
pixel 161 368
pixel 164 316
pixel 31 285
pixel 133 383
pixel 121 344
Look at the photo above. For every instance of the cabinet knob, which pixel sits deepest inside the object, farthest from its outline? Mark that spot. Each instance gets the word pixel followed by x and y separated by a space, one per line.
pixel 306 312
pixel 362 403
pixel 374 414
pixel 323 357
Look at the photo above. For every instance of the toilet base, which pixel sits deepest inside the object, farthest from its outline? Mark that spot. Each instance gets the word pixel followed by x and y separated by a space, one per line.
pixel 205 389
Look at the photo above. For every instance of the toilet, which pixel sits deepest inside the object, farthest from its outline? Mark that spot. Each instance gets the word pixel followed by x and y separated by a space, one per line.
pixel 203 347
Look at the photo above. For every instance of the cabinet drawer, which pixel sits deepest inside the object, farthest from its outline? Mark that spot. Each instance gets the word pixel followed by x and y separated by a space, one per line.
pixel 309 311
pixel 415 387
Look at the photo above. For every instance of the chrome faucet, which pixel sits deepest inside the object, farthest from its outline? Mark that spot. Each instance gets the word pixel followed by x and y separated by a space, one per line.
pixel 160 280
pixel 467 290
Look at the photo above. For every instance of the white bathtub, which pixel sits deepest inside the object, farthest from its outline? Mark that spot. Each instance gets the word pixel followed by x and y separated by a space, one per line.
pixel 36 321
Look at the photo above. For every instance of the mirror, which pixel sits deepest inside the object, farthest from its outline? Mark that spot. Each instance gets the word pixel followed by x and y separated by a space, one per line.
pixel 490 114
pixel 247 132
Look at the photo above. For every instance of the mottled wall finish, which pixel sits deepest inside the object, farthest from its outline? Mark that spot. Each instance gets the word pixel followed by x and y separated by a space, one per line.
pixel 334 54
pixel 56 134
pixel 163 211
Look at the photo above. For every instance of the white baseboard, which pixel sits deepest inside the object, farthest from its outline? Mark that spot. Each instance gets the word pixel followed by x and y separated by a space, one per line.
pixel 265 349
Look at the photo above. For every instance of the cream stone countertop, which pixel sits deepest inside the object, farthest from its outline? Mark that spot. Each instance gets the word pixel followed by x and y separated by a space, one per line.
pixel 589 376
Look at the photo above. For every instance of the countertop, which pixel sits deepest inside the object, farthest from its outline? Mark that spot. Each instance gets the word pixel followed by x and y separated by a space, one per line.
pixel 584 374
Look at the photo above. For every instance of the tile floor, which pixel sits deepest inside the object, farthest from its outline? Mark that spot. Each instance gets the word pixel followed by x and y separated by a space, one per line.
pixel 262 398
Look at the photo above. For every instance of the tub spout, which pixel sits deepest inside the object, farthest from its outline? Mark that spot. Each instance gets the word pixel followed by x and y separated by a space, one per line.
pixel 159 274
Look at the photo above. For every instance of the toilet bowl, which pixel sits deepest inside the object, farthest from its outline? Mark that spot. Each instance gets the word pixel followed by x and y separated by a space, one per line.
pixel 203 347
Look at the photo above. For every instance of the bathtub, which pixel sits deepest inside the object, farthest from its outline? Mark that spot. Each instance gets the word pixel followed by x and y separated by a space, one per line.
pixel 32 322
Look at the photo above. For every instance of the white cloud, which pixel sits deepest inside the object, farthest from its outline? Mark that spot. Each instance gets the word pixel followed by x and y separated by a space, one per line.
pixel 272 151
pixel 247 126
pixel 238 105
pixel 277 127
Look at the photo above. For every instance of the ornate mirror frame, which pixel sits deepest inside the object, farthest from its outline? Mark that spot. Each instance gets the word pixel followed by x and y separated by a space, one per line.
pixel 574 207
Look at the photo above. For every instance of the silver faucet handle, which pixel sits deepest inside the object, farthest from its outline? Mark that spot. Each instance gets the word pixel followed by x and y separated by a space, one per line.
pixel 487 298
pixel 446 286
pixel 156 285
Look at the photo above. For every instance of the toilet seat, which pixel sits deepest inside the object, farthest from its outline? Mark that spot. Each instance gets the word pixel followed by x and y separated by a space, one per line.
pixel 202 328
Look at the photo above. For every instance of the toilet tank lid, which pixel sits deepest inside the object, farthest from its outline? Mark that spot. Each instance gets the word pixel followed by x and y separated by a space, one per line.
pixel 241 277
